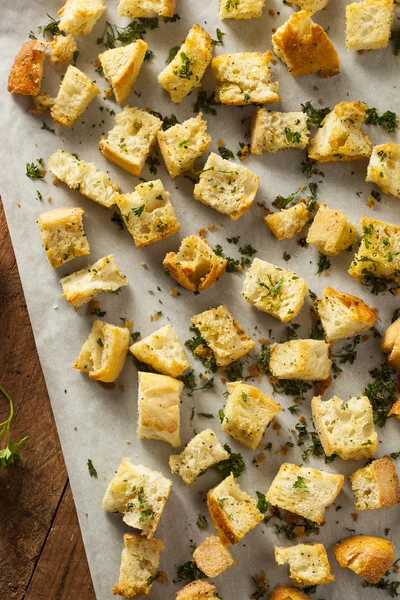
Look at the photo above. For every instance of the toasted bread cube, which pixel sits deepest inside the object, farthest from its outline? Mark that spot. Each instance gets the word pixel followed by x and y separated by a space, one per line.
pixel 232 511
pixel 395 409
pixel 273 131
pixel 240 9
pixel 183 74
pixel 345 428
pixel 308 563
pixel 340 136
pixel 288 592
pixel 285 223
pixel 159 400
pixel 212 557
pixel 244 78
pixel 307 360
pixel 228 187
pixel 27 70
pixel 195 266
pixel 276 291
pixel 384 168
pixel 103 354
pixel 377 485
pixel 83 177
pixel 139 563
pixel 163 351
pixel 367 555
pixel 121 67
pixel 310 6
pixel 76 92
pixel 63 235
pixel 182 143
pixel 201 589
pixel 391 345
pixel 223 334
pixel 202 452
pixel 139 494
pixel 146 8
pixel 368 24
pixel 304 47
pixel 63 48
pixel 378 254
pixel 103 276
pixel 80 16
pixel 331 231
pixel 247 413
pixel 41 102
pixel 132 139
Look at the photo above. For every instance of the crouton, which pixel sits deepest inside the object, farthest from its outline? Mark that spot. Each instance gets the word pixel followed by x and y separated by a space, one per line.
pixel 76 92
pixel 284 224
pixel 331 231
pixel 368 24
pixel 163 351
pixel 197 590
pixel 182 143
pixel 232 511
pixel 276 291
pixel 223 334
pixel 307 360
pixel 63 48
pixel 310 6
pixel 183 74
pixel 212 557
pixel 121 67
pixel 63 235
pixel 27 70
pixel 41 102
pixel 391 345
pixel 395 409
pixel 308 563
pixel 376 485
pixel 273 131
pixel 80 16
pixel 146 8
pixel 139 563
pixel 367 555
pixel 288 592
pixel 303 491
pixel 227 187
pixel 240 9
pixel 139 494
pixel 132 139
pixel 384 168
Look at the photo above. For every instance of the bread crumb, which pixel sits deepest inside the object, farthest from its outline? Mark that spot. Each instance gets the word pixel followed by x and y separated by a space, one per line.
pixel 173 292
pixel 156 315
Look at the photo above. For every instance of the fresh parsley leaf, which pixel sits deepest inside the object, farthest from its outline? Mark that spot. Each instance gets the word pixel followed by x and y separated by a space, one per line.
pixel 201 521
pixel 219 41
pixel 52 27
pixel 117 218
pixel 300 483
pixel 35 171
pixel 137 210
pixel 184 72
pixel 172 19
pixel 308 167
pixel 388 120
pixel 135 30
pixel 293 137
pixel 395 37
pixel 315 116
pixel 205 103
pixel 10 452
pixel 281 202
pixel 234 464
pixel 91 469
pixel 262 503
pixel 348 353
pixel 225 152
pixel 188 571
pixel 381 392
pixel 47 128
pixel 324 264
pixel 171 55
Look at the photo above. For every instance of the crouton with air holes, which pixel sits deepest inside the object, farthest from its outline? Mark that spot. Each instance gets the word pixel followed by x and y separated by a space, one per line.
pixel 130 142
pixel 226 186
pixel 304 47
pixel 103 354
pixel 139 494
pixel 307 360
pixel 368 24
pixel 139 563
pixel 247 413
pixel 103 276
pixel 80 16
pixel 310 6
pixel 146 8
pixel 159 400
pixel 121 67
pixel 182 143
pixel 63 48
pixel 27 70
pixel 212 557
pixel 391 345
pixel 276 291
pixel 223 334
pixel 384 168
pixel 288 592
pixel 183 74
pixel 244 78
pixel 331 231
pixel 367 555
pixel 273 131
pixel 376 485
pixel 284 224
pixel 163 351
pixel 201 589
pixel 240 9
pixel 304 491
pixel 83 177
pixel 76 92
pixel 202 452
pixel 195 266
pixel 63 235
pixel 343 315
pixel 308 563
pixel 340 136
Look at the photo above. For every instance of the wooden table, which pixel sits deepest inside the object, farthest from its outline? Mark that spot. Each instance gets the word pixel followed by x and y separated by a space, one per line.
pixel 41 549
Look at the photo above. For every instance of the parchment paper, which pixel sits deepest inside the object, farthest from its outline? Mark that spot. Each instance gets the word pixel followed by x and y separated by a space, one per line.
pixel 97 423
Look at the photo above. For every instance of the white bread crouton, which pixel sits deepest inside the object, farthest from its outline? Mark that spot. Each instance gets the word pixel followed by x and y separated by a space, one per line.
pixel 304 491
pixel 377 485
pixel 331 231
pixel 139 563
pixel 310 6
pixel 247 413
pixel 83 177
pixel 80 16
pixel 226 186
pixel 163 351
pixel 159 400
pixel 103 276
pixel 212 557
pixel 304 47
pixel 41 102
pixel 240 9
pixel 132 139
pixel 27 70
pixel 368 24
pixel 345 428
pixel 223 334
pixel 276 291
pixel 63 48
pixel 367 555
pixel 139 494
pixel 308 563
pixel 182 143
pixel 183 74
pixel 195 266
pixel 391 345
pixel 273 131
pixel 148 213
pixel 76 92
pixel 307 360
pixel 288 592
pixel 63 235
pixel 197 590
pixel 340 136
pixel 285 223
pixel 395 409
pixel 146 8
pixel 244 78
pixel 121 67
pixel 384 168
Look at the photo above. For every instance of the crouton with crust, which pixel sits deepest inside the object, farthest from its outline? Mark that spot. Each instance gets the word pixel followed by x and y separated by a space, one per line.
pixel 368 24
pixel 367 555
pixel 308 563
pixel 284 224
pixel 331 231
pixel 80 16
pixel 377 485
pixel 121 67
pixel 308 360
pixel 27 70
pixel 273 131
pixel 163 351
pixel 146 8
pixel 139 563
pixel 212 557
pixel 63 235
pixel 240 9
pixel 76 92
pixel 384 168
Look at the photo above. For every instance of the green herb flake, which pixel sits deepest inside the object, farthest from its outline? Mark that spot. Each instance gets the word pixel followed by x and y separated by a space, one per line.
pixel 91 469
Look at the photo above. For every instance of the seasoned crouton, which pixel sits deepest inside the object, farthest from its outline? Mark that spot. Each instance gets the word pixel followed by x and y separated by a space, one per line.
pixel 368 24
pixel 367 555
pixel 163 351
pixel 273 131
pixel 308 563
pixel 377 485
pixel 146 8
pixel 288 592
pixel 80 16
pixel 395 409
pixel 197 590
pixel 76 92
pixel 331 231
pixel 63 235
pixel 285 223
pixel 391 345
pixel 41 102
pixel 212 557
pixel 240 9
pixel 27 70
pixel 139 563
pixel 310 6
pixel 384 168
pixel 121 67
pixel 63 48
pixel 307 360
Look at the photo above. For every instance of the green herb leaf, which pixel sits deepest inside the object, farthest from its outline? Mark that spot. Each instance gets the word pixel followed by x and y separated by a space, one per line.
pixel 91 469
pixel 234 464
pixel 262 503
pixel 201 521
pixel 219 41
pixel 205 103
pixel 10 452
pixel 52 27
pixel 189 571
pixel 324 264
pixel 300 483
pixel 225 153
pixel 171 55
pixel 315 116
pixel 35 171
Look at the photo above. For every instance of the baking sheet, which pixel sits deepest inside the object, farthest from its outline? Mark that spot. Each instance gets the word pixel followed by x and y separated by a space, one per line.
pixel 99 423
